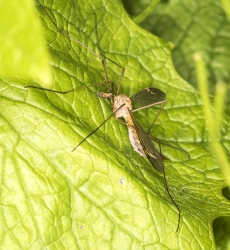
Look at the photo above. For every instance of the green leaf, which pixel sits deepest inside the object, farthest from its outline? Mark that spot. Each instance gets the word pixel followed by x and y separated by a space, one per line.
pixel 22 50
pixel 103 195
pixel 201 26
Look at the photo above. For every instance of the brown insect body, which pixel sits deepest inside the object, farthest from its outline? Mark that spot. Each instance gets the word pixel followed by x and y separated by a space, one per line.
pixel 124 112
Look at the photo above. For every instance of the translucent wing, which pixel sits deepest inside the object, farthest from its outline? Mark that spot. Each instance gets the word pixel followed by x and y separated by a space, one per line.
pixel 148 96
pixel 150 151
pixel 153 156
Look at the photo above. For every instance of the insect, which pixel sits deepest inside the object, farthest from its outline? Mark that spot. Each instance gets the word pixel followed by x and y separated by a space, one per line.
pixel 140 140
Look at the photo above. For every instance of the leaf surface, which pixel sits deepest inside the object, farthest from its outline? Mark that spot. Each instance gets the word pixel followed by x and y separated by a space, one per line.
pixel 103 195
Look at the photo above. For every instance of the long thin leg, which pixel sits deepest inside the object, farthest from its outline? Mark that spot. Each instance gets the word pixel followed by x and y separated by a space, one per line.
pixel 156 117
pixel 98 45
pixel 164 143
pixel 67 91
pixel 101 56
pixel 77 41
pixel 103 61
pixel 98 127
pixel 167 189
pixel 66 34
pixel 122 73
pixel 150 105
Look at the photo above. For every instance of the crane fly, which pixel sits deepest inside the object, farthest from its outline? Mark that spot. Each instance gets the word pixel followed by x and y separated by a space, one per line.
pixel 140 140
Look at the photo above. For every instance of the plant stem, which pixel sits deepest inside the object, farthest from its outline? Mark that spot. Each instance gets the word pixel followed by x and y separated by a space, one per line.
pixel 146 12
pixel 211 118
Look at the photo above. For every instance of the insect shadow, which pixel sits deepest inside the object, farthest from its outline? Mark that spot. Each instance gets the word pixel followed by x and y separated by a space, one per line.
pixel 140 140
